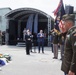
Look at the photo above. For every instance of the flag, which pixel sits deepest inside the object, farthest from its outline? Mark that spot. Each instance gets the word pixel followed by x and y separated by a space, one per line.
pixel 29 24
pixel 36 24
pixel 56 23
pixel 60 9
pixel 59 12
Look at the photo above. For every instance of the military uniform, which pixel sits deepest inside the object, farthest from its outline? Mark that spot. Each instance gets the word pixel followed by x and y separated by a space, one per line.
pixel 55 45
pixel 69 60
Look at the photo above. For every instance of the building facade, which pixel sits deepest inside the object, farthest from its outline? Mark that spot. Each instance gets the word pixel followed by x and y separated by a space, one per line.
pixel 3 20
pixel 21 18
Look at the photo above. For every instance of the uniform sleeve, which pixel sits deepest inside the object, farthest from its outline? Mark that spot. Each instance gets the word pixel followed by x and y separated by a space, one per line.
pixel 73 63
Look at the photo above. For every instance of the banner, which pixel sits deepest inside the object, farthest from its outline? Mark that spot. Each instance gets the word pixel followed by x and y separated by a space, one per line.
pixel 36 24
pixel 29 24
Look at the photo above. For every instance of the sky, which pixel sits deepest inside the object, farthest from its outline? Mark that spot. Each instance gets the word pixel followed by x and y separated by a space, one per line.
pixel 47 6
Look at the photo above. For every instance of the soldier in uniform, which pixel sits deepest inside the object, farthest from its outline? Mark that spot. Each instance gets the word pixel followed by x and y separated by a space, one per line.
pixel 69 61
pixel 55 33
pixel 55 46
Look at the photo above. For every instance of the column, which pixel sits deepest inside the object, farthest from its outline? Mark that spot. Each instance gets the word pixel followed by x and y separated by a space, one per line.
pixel 19 30
pixel 7 32
pixel 49 28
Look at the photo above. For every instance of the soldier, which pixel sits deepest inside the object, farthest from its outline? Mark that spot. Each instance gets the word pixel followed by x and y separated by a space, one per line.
pixel 69 60
pixel 55 46
pixel 55 33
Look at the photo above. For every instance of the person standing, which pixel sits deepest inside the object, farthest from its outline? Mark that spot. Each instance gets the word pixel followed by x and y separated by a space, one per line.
pixel 34 41
pixel 40 40
pixel 56 34
pixel 0 37
pixel 28 38
pixel 55 46
pixel 24 33
pixel 69 60
pixel 55 41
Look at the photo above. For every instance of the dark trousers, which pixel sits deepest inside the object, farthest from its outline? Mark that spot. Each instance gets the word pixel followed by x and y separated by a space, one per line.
pixel 28 47
pixel 41 44
pixel 52 47
pixel 34 45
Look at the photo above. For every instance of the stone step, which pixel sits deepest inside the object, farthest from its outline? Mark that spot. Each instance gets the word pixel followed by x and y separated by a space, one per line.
pixel 21 44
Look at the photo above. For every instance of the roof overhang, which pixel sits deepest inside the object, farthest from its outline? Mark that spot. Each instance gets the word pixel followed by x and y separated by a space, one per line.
pixel 23 13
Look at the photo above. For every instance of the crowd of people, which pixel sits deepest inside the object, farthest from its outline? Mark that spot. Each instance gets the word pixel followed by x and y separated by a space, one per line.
pixel 29 39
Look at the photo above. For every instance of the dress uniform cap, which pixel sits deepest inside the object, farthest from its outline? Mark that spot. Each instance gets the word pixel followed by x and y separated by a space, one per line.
pixel 68 17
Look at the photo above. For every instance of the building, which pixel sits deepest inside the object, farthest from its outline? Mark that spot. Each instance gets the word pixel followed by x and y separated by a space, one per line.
pixel 19 19
pixel 3 20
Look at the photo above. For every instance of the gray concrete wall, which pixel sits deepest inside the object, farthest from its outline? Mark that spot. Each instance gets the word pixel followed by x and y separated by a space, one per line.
pixel 3 20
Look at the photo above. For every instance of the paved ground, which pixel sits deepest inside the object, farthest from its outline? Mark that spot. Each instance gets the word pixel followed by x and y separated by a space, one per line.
pixel 33 64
